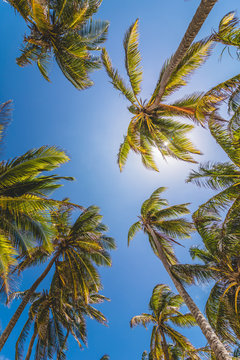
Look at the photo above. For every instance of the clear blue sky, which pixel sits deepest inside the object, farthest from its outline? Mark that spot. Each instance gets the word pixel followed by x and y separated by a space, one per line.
pixel 90 125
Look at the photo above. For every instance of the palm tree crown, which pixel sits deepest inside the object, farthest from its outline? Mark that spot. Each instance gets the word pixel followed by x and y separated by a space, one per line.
pixel 65 30
pixel 165 312
pixel 76 250
pixel 77 247
pixel 54 316
pixel 162 220
pixel 157 127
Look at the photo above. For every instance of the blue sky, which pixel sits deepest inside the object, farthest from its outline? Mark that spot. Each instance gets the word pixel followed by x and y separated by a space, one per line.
pixel 90 125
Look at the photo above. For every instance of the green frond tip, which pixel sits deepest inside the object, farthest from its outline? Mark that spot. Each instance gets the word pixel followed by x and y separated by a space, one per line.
pixel 228 30
pixel 45 158
pixel 156 194
pixel 43 64
pixel 133 230
pixel 123 153
pixel 7 260
pixel 154 201
pixel 133 57
pixel 116 79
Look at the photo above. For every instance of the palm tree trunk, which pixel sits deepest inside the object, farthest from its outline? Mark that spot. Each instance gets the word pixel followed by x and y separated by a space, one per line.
pixel 164 346
pixel 195 25
pixel 24 303
pixel 214 342
pixel 29 352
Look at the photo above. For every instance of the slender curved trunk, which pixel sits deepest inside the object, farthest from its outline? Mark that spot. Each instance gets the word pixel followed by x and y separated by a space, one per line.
pixel 214 342
pixel 24 303
pixel 164 346
pixel 29 352
pixel 195 25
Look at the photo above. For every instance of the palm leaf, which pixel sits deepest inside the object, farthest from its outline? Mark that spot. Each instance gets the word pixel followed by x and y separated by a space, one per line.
pixel 40 16
pixel 123 153
pixel 195 57
pixel 133 57
pixel 133 230
pixel 116 80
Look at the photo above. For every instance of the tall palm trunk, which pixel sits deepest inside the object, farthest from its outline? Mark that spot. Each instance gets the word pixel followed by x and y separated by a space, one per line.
pixel 29 352
pixel 214 342
pixel 195 25
pixel 24 303
pixel 164 346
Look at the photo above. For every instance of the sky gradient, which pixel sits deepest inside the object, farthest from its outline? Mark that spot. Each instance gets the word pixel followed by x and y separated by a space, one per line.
pixel 90 126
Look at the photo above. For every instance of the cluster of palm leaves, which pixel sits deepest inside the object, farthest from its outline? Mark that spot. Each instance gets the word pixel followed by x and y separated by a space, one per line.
pixel 156 126
pixel 66 31
pixel 36 229
pixel 165 316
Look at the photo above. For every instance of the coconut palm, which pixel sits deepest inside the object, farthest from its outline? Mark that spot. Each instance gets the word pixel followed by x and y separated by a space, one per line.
pixel 53 318
pixel 157 126
pixel 165 313
pixel 63 30
pixel 162 225
pixel 77 248
pixel 220 262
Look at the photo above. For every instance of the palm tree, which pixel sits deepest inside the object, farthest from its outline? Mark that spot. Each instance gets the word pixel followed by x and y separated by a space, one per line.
pixel 163 226
pixel 220 263
pixel 165 312
pixel 53 319
pixel 63 30
pixel 77 248
pixel 156 126
pixel 25 203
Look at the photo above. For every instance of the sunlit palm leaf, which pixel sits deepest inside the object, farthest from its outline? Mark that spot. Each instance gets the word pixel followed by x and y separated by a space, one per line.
pixel 133 57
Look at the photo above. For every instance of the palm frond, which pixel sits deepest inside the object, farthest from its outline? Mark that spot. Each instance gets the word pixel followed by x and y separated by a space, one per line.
pixel 195 57
pixel 116 80
pixel 133 230
pixel 133 57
